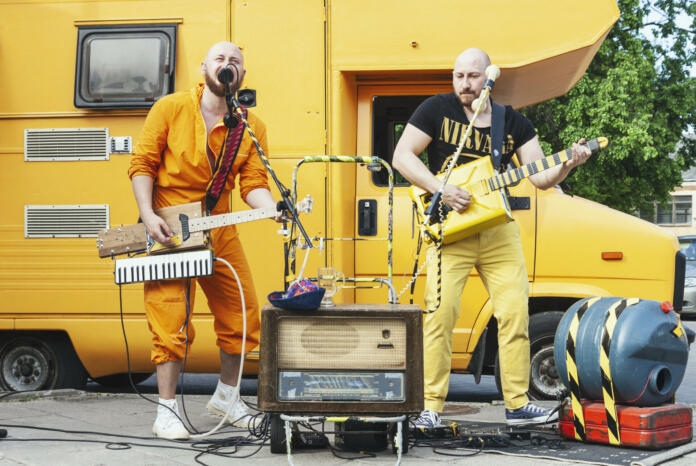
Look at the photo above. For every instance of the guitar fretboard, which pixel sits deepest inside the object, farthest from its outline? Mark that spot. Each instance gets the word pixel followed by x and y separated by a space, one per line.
pixel 514 175
pixel 217 221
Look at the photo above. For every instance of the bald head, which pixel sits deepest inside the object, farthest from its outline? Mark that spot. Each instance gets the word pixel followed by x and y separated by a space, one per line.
pixel 219 56
pixel 469 75
pixel 473 56
pixel 224 48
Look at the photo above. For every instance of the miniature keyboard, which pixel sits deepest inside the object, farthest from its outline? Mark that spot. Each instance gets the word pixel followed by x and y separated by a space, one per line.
pixel 164 267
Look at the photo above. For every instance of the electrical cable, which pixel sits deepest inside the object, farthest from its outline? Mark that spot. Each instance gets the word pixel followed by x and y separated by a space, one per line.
pixel 196 433
pixel 481 441
pixel 211 446
pixel 187 295
pixel 253 421
pixel 241 355
pixel 335 451
pixel 202 448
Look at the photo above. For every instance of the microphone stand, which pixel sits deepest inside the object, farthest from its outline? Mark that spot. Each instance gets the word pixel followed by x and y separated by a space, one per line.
pixel 235 113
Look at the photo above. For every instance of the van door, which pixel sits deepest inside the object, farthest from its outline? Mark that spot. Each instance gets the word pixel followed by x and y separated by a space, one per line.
pixel 383 111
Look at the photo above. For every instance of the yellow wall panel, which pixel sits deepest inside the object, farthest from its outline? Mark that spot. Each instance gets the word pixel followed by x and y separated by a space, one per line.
pixel 283 46
pixel 43 68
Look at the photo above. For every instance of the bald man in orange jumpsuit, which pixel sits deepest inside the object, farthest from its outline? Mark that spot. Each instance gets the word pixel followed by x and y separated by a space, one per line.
pixel 171 165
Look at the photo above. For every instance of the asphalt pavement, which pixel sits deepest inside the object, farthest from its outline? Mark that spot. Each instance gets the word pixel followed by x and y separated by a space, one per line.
pixel 107 427
pixel 71 427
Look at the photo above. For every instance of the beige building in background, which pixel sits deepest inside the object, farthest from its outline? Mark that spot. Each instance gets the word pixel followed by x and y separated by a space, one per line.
pixel 678 215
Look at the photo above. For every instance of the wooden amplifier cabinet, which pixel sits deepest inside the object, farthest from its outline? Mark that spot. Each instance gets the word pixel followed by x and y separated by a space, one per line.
pixel 348 359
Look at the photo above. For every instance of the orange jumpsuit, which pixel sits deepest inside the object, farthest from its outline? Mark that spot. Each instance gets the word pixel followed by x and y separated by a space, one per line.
pixel 172 151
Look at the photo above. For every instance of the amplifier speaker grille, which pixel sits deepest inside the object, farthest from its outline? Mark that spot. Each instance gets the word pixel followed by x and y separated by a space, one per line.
pixel 349 359
pixel 338 343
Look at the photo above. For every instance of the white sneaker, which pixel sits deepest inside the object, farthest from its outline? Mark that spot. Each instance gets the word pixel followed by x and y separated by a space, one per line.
pixel 217 406
pixel 428 419
pixel 167 425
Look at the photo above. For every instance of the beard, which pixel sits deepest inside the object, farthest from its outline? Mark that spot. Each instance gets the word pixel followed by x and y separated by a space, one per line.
pixel 467 99
pixel 215 86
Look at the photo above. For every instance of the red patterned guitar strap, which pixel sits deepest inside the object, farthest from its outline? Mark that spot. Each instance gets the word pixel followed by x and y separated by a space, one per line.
pixel 223 165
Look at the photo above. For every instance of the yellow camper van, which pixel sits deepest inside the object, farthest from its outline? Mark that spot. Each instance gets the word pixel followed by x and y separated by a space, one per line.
pixel 337 77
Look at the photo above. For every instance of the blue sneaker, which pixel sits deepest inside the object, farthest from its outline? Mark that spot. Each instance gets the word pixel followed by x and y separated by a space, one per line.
pixel 529 414
pixel 428 420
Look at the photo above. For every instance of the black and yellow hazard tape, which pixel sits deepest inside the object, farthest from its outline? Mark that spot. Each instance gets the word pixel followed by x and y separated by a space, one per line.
pixel 678 330
pixel 341 158
pixel 610 320
pixel 438 292
pixel 572 368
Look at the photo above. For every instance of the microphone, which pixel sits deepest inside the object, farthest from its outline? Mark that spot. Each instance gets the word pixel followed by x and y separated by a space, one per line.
pixel 230 120
pixel 492 73
pixel 225 75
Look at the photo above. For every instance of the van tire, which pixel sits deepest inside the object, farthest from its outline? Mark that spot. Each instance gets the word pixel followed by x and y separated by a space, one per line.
pixel 544 382
pixel 40 362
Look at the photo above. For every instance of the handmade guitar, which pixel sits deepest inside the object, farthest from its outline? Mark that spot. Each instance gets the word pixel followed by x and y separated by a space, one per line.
pixel 489 206
pixel 187 222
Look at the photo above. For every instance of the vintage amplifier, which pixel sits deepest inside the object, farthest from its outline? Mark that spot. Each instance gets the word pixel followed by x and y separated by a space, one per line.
pixel 348 359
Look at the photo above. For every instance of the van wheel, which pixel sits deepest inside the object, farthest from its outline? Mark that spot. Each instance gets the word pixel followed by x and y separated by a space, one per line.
pixel 40 363
pixel 544 382
pixel 121 380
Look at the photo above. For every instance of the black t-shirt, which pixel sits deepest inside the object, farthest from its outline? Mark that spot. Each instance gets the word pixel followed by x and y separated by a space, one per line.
pixel 443 119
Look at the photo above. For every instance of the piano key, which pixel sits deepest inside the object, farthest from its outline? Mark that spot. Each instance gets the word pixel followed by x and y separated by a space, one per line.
pixel 167 266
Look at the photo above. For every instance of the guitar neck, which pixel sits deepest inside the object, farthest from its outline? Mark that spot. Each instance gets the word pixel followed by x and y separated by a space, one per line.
pixel 514 175
pixel 223 220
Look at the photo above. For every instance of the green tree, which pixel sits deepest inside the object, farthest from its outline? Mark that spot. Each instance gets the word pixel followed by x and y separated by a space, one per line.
pixel 639 93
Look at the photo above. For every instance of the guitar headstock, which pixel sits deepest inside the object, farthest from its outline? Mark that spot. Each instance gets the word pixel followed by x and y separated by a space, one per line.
pixel 121 240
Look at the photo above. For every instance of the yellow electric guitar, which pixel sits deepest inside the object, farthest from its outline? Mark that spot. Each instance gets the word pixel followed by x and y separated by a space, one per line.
pixel 489 206
pixel 188 224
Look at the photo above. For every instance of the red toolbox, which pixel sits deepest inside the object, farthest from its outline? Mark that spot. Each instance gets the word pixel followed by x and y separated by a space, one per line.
pixel 652 428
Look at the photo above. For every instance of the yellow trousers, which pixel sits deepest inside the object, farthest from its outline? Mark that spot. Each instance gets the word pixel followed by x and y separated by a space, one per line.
pixel 497 255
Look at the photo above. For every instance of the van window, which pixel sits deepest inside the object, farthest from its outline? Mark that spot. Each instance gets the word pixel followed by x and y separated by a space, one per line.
pixel 389 117
pixel 129 66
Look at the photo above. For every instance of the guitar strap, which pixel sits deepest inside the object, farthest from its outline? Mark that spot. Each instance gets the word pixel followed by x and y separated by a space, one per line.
pixel 223 165
pixel 497 134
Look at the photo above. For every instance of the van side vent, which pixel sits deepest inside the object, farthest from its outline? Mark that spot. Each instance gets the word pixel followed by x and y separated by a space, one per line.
pixel 66 144
pixel 64 221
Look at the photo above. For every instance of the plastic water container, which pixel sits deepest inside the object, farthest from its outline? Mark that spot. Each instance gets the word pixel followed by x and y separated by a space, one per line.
pixel 648 353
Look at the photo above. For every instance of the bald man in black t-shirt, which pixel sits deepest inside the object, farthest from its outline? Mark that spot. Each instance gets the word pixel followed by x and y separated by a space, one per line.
pixel 438 124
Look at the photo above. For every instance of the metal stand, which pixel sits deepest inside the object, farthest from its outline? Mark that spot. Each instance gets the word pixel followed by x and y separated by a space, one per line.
pixel 398 439
pixel 235 111
pixel 373 163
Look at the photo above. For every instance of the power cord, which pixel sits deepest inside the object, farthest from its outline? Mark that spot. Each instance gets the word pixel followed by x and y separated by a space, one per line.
pixel 211 447
pixel 192 429
pixel 256 436
pixel 482 440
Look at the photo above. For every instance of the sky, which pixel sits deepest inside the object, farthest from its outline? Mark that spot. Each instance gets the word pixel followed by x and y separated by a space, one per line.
pixel 683 21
